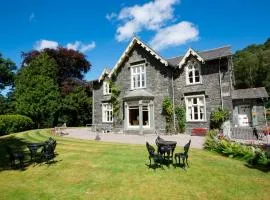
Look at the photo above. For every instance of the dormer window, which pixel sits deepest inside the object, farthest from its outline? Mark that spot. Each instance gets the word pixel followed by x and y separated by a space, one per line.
pixel 193 73
pixel 106 88
pixel 138 76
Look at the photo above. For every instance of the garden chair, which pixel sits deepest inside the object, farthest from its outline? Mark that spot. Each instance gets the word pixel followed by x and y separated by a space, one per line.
pixel 48 149
pixel 13 156
pixel 157 158
pixel 183 155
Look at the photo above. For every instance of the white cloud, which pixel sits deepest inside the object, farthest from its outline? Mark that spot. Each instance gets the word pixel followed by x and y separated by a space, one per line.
pixel 32 17
pixel 73 46
pixel 78 45
pixel 174 35
pixel 42 44
pixel 111 16
pixel 149 16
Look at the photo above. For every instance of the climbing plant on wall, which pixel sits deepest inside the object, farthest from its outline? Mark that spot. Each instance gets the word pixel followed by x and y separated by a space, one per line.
pixel 167 111
pixel 115 93
pixel 180 114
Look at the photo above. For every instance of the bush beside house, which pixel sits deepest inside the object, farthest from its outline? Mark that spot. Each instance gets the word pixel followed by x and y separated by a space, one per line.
pixel 254 155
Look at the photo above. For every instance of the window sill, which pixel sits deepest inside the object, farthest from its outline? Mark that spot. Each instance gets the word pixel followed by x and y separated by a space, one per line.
pixel 203 121
pixel 137 88
pixel 191 84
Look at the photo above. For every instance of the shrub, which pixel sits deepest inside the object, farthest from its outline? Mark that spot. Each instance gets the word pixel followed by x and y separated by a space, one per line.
pixel 253 155
pixel 14 123
pixel 218 116
pixel 180 114
pixel 167 111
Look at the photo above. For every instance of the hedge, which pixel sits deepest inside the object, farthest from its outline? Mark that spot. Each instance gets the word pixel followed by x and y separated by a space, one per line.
pixel 14 123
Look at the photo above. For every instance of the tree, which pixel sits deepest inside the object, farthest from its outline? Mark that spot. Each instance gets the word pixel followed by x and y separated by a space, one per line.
pixel 36 91
pixel 252 66
pixel 77 107
pixel 71 64
pixel 7 68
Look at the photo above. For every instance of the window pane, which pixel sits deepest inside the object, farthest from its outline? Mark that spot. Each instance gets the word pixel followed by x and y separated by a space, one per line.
pixel 138 81
pixel 201 112
pixel 189 113
pixel 145 118
pixel 134 116
pixel 194 100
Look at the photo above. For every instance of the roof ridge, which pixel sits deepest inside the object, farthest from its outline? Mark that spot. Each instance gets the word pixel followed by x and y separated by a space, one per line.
pixel 213 48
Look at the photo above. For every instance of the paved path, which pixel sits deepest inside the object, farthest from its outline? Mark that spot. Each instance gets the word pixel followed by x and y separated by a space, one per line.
pixel 85 133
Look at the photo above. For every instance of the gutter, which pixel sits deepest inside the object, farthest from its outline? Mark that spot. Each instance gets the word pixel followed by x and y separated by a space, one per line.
pixel 221 94
pixel 173 105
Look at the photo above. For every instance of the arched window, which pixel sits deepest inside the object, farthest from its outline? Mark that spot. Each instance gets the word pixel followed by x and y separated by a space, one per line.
pixel 193 73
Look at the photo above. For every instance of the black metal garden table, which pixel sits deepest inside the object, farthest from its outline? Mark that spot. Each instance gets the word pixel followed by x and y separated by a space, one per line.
pixel 165 147
pixel 33 148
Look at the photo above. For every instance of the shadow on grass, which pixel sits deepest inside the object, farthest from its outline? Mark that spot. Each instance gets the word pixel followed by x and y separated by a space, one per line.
pixel 261 168
pixel 165 162
pixel 18 145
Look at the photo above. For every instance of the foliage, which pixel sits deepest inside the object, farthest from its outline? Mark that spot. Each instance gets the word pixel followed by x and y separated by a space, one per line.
pixel 102 170
pixel 218 116
pixel 14 123
pixel 37 94
pixel 115 93
pixel 252 66
pixel 180 114
pixel 76 107
pixel 167 111
pixel 7 74
pixel 70 63
pixel 252 155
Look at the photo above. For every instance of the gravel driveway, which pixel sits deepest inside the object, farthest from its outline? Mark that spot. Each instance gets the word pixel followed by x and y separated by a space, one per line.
pixel 85 133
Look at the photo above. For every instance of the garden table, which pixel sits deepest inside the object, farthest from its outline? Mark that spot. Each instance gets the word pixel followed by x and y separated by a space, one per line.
pixel 165 146
pixel 33 148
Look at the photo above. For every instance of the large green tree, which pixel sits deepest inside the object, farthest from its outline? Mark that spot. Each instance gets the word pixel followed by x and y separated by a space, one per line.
pixel 36 91
pixel 7 74
pixel 252 66
pixel 75 100
pixel 71 64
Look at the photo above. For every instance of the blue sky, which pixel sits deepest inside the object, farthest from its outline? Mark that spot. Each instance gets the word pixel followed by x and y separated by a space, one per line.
pixel 102 29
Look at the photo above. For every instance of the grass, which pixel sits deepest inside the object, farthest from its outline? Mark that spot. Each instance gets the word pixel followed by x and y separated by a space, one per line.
pixel 98 170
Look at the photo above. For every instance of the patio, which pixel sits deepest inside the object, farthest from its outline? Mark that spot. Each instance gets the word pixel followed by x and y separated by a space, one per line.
pixel 86 133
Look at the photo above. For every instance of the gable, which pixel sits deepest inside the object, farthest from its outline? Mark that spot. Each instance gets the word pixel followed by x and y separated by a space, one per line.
pixel 135 41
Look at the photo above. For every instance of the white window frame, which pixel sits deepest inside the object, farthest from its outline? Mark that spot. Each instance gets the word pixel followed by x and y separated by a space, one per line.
pixel 138 73
pixel 107 113
pixel 133 104
pixel 106 88
pixel 193 69
pixel 198 105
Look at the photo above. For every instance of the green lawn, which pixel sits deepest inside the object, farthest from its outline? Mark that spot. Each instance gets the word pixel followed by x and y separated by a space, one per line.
pixel 97 170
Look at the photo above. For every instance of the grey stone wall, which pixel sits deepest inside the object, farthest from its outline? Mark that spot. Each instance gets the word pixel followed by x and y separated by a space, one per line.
pixel 210 87
pixel 158 82
pixel 259 107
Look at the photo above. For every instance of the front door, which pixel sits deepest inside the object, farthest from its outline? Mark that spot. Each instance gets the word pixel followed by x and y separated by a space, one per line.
pixel 244 115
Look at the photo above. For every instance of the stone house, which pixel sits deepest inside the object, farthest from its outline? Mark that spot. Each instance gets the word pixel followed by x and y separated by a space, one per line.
pixel 201 81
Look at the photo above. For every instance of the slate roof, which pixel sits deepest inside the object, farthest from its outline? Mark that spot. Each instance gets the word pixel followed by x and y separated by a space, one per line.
pixel 144 94
pixel 206 55
pixel 250 93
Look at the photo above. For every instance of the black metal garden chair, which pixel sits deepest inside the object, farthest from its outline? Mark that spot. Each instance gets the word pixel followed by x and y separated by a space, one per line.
pixel 48 149
pixel 13 156
pixel 157 158
pixel 183 155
